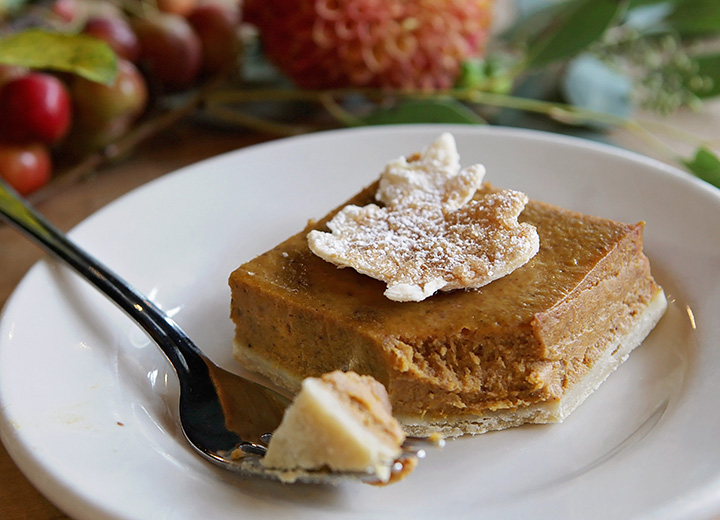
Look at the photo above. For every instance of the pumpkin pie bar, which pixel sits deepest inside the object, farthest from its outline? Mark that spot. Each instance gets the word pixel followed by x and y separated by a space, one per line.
pixel 340 421
pixel 528 347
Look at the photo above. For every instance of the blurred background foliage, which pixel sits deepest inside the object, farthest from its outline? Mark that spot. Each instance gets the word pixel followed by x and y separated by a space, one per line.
pixel 582 67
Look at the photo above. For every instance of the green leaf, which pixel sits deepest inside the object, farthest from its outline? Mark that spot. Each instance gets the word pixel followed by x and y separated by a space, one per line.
pixel 472 74
pixel 423 111
pixel 632 4
pixel 491 75
pixel 705 165
pixel 709 73
pixel 77 53
pixel 530 24
pixel 582 23
pixel 695 17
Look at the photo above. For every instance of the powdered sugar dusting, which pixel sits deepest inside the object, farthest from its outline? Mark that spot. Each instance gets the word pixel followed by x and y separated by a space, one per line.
pixel 430 234
pixel 433 176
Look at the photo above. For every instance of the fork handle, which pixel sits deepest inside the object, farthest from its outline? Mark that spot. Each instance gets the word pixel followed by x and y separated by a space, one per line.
pixel 175 344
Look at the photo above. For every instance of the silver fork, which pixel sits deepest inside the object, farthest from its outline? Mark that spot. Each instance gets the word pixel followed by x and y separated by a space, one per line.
pixel 226 418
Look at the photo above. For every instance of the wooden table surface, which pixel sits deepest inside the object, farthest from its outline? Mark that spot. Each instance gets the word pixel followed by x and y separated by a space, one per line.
pixel 184 144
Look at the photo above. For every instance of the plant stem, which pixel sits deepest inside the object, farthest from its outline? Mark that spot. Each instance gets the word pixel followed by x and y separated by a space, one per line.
pixel 216 102
pixel 229 115
pixel 337 111
pixel 327 98
pixel 564 113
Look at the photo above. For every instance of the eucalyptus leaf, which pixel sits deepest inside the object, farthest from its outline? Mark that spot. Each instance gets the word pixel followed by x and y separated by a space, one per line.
pixel 80 54
pixel 705 165
pixel 423 111
pixel 593 85
pixel 648 16
pixel 695 17
pixel 571 32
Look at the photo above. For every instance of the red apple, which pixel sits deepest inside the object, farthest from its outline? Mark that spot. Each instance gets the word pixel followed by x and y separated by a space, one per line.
pixel 170 50
pixel 35 107
pixel 217 27
pixel 116 31
pixel 181 7
pixel 97 104
pixel 84 140
pixel 25 167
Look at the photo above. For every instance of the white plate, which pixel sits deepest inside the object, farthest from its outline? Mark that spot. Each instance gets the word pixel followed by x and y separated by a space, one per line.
pixel 88 406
